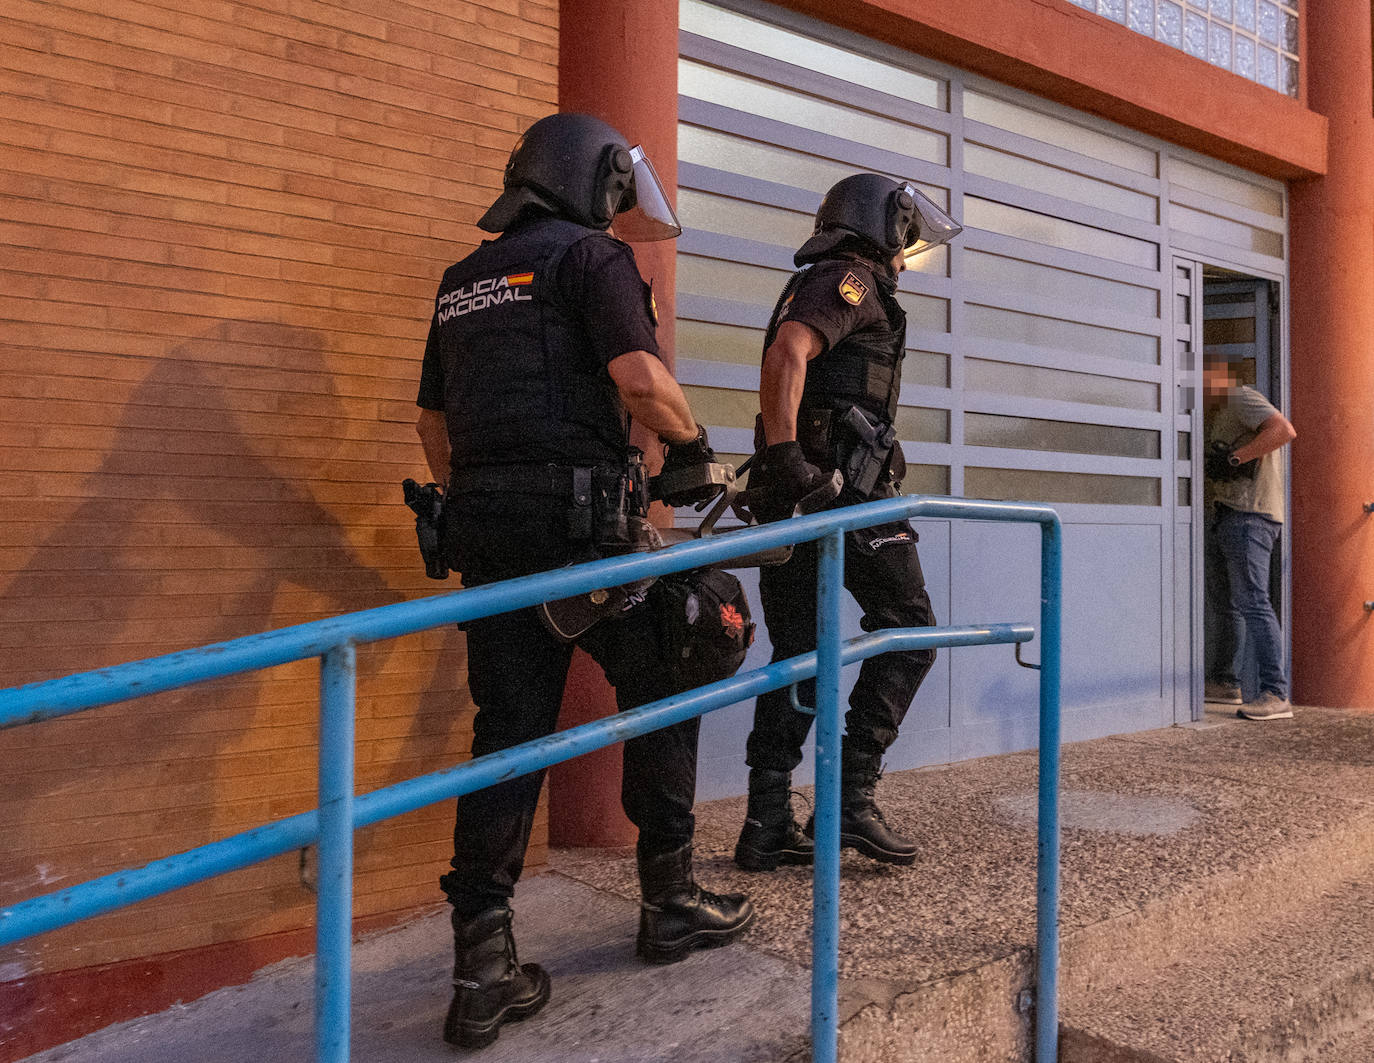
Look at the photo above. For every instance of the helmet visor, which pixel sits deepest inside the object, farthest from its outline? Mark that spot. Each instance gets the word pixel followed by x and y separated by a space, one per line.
pixel 930 226
pixel 651 218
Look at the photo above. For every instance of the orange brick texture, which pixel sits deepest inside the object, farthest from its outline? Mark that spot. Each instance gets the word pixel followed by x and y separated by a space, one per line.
pixel 223 224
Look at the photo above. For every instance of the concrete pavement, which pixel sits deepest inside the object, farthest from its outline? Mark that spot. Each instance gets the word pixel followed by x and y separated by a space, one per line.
pixel 1214 907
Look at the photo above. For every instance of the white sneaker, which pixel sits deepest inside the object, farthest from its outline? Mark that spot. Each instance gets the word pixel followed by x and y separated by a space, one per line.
pixel 1268 706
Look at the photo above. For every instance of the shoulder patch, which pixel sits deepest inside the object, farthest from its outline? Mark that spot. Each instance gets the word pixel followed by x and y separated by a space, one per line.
pixel 852 290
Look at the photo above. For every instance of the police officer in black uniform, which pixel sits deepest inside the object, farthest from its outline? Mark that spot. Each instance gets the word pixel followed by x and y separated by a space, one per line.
pixel 828 393
pixel 542 340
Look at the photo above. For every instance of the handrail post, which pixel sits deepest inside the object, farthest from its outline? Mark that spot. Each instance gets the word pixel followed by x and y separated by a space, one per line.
pixel 1047 840
pixel 825 910
pixel 334 900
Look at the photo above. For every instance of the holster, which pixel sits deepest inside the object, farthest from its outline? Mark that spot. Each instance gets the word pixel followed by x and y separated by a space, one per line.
pixel 427 503
pixel 864 450
pixel 869 451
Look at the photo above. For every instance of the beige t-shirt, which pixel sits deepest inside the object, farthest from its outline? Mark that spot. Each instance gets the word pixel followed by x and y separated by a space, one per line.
pixel 1235 422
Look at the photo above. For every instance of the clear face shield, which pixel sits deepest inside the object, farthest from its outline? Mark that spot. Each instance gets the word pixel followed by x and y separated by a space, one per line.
pixel 930 226
pixel 650 218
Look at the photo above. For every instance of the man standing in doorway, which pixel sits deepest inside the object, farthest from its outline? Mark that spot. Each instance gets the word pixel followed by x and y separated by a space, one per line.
pixel 1245 492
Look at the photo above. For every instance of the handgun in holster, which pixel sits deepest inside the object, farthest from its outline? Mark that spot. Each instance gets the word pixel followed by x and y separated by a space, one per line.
pixel 865 461
pixel 427 503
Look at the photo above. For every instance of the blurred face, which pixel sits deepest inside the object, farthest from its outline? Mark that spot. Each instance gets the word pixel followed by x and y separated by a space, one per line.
pixel 1217 379
pixel 899 262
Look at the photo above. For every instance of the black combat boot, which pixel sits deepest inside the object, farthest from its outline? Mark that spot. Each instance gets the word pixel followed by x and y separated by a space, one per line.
pixel 862 826
pixel 489 986
pixel 678 916
pixel 770 836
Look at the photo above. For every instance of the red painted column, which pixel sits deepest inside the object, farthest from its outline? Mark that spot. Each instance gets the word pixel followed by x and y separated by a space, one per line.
pixel 1332 339
pixel 617 61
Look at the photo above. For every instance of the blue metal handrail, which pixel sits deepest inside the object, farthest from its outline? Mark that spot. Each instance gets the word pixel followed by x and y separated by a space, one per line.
pixel 340 813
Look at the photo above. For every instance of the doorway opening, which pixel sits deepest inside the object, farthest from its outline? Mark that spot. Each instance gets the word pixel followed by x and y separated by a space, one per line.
pixel 1241 322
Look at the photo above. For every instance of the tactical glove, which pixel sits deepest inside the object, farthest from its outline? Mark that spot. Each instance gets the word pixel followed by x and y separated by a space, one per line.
pixel 781 478
pixel 679 457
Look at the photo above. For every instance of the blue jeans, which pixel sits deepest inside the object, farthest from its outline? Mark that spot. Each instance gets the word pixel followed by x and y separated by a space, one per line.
pixel 1241 546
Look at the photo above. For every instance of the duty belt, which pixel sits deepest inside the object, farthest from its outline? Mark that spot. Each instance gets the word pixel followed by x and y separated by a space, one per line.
pixel 558 480
pixel 601 500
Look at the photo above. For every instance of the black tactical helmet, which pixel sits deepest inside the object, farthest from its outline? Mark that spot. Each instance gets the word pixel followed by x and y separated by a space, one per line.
pixel 578 167
pixel 888 216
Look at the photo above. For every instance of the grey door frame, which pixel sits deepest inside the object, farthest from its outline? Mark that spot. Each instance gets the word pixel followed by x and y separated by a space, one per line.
pixel 1276 354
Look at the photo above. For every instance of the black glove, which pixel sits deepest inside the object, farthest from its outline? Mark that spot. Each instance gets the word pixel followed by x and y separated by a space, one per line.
pixel 1220 464
pixel 682 456
pixel 780 478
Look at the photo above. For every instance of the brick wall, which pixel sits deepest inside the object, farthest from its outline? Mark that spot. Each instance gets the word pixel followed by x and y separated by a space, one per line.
pixel 223 222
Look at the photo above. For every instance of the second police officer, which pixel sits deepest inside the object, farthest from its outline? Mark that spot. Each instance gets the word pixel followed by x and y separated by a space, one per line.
pixel 828 394
pixel 542 340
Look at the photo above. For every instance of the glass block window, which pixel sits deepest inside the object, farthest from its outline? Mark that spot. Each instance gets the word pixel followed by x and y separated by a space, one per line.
pixel 1256 39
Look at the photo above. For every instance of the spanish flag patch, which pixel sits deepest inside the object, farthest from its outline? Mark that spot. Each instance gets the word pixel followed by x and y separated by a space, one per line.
pixel 516 279
pixel 852 290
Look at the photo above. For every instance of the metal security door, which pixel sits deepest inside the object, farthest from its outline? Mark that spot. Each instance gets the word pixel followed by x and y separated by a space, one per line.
pixel 1042 361
pixel 1190 517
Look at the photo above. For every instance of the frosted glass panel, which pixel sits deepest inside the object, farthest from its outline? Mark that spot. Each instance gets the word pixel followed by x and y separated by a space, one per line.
pixel 716 278
pixel 743 218
pixel 1219 46
pixel 1057 232
pixel 926 369
pixel 1016 119
pixel 1046 282
pixel 1031 485
pixel 1012 326
pixel 1169 24
pixel 922 312
pixel 1061 385
pixel 1225 231
pixel 719 343
pixel 922 425
pixel 926 480
pixel 753 35
pixel 724 151
pixel 1051 180
pixel 1069 437
pixel 748 94
pixel 1140 16
pixel 723 407
pixel 1259 197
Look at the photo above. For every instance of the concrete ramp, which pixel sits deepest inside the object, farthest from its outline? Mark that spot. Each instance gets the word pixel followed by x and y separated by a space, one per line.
pixel 1215 907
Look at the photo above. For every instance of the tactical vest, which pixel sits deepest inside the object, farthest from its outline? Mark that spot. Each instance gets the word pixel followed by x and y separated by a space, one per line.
pixel 864 368
pixel 521 382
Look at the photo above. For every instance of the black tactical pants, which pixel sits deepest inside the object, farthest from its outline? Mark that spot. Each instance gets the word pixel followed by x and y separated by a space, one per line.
pixel 883 573
pixel 516 674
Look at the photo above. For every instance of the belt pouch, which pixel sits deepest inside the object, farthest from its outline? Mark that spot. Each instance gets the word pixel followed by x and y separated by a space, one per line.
pixel 610 509
pixel 813 433
pixel 580 514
